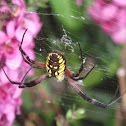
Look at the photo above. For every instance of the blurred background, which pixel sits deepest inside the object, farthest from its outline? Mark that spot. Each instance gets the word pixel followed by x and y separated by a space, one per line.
pixel 99 26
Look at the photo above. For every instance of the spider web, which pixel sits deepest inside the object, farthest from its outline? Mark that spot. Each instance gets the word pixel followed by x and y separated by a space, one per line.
pixel 100 84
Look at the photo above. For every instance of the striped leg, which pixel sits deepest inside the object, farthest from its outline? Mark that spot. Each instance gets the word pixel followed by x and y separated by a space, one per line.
pixel 26 58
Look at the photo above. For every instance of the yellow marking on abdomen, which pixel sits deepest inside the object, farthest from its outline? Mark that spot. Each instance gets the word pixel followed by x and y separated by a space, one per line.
pixel 56 64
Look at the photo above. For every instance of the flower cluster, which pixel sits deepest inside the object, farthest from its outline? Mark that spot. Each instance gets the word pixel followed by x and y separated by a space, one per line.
pixel 111 16
pixel 13 22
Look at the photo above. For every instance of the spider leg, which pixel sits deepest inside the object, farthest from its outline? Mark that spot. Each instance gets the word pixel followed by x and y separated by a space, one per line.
pixel 40 66
pixel 117 89
pixel 82 62
pixel 82 78
pixel 13 82
pixel 76 76
pixel 92 100
pixel 30 61
pixel 68 72
pixel 35 81
pixel 83 95
pixel 25 75
pixel 72 75
pixel 28 84
pixel 112 102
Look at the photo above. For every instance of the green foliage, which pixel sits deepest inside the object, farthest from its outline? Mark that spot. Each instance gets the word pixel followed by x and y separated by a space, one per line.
pixel 63 12
pixel 75 114
pixel 71 117
pixel 27 101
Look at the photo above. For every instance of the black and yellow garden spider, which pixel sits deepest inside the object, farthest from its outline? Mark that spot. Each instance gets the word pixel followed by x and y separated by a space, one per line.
pixel 56 67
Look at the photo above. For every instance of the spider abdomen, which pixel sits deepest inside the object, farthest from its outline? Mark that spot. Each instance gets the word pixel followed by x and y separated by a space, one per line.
pixel 56 65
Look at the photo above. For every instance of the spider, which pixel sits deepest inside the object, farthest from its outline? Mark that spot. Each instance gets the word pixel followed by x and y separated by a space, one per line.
pixel 56 67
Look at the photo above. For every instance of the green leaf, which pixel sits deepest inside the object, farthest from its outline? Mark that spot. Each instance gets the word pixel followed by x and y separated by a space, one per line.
pixel 63 11
pixel 69 114
pixel 27 101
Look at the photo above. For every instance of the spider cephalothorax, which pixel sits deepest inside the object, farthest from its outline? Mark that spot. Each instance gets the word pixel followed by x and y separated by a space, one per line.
pixel 56 65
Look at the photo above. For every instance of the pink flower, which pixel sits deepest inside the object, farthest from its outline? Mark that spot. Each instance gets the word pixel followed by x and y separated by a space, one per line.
pixel 110 17
pixel 5 118
pixel 32 19
pixel 120 35
pixel 79 2
pixel 121 16
pixel 19 9
pixel 109 12
pixel 15 21
pixel 120 2
pixel 3 36
pixel 9 102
